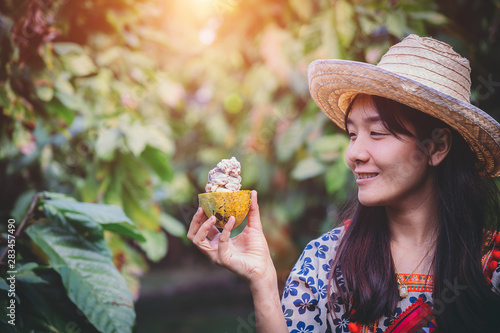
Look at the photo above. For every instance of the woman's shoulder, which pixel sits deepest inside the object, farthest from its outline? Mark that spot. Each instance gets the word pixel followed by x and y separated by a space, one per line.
pixel 331 237
pixel 325 246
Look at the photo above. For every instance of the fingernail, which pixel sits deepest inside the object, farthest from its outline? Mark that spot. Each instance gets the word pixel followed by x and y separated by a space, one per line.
pixel 199 210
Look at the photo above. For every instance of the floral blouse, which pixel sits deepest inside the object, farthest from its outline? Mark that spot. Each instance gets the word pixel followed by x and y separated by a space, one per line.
pixel 304 300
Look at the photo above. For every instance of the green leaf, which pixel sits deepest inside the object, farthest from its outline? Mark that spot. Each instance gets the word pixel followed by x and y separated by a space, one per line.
pixel 67 48
pixel 63 85
pixel 26 273
pixel 110 217
pixel 3 285
pixel 112 187
pixel 46 307
pixel 172 225
pixel 396 23
pixel 44 92
pixel 136 136
pixel 107 142
pixel 79 65
pixel 4 302
pixel 159 162
pixel 307 168
pixel 56 196
pixel 345 24
pixel 158 138
pixel 4 100
pixel 291 140
pixel 71 101
pixel 431 17
pixel 328 148
pixel 61 110
pixel 337 180
pixel 91 280
pixel 22 205
pixel 107 57
pixel 155 245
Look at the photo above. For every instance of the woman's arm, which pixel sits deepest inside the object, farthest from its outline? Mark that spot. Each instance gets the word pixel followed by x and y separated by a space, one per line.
pixel 247 255
pixel 268 314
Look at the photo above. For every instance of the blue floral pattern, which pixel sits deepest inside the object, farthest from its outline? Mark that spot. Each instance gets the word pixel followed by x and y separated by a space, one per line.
pixel 341 324
pixel 290 288
pixel 305 303
pixel 301 328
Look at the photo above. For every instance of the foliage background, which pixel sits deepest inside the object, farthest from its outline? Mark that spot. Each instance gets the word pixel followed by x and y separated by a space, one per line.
pixel 131 103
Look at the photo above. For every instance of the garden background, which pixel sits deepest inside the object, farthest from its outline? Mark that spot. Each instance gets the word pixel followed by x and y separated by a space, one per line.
pixel 131 102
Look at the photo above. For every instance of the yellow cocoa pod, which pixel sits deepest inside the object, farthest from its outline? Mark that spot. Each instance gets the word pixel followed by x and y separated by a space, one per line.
pixel 223 205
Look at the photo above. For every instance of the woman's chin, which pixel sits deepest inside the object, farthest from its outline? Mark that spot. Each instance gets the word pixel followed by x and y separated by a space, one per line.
pixel 370 201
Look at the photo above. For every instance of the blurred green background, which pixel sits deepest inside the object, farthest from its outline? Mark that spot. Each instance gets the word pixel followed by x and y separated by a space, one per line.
pixel 132 102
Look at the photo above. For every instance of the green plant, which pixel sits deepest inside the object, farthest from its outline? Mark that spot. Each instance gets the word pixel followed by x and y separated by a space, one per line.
pixel 80 114
pixel 60 271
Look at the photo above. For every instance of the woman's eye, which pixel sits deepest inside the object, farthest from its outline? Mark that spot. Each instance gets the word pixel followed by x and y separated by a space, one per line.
pixel 377 134
pixel 352 135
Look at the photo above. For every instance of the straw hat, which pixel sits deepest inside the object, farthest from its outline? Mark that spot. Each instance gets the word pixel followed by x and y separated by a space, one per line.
pixel 420 72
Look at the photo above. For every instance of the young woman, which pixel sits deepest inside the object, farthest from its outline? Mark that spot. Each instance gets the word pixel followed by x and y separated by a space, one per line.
pixel 419 249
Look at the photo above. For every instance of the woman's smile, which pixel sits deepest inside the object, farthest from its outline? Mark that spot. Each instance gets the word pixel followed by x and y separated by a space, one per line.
pixel 364 177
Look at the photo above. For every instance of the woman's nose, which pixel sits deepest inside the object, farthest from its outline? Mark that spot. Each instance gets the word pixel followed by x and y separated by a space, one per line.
pixel 357 151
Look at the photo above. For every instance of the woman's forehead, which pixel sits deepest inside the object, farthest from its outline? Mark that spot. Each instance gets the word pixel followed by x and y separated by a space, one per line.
pixel 364 109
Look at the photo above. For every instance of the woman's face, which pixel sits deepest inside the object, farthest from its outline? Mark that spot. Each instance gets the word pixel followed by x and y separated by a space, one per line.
pixel 389 171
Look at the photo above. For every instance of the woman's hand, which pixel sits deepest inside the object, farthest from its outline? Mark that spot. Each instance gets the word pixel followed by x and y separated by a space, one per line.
pixel 247 254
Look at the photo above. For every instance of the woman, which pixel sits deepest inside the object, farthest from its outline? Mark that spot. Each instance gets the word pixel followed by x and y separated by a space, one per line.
pixel 419 250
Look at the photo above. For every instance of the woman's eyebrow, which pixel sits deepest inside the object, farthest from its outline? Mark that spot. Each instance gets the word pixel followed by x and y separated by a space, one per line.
pixel 369 120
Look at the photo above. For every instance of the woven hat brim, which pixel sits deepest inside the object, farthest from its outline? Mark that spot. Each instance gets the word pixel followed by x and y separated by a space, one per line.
pixel 333 84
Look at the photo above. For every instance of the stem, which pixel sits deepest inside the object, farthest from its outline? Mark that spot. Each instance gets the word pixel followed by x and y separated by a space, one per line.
pixel 36 197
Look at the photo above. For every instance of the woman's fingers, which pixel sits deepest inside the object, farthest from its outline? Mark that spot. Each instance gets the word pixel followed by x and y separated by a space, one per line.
pixel 224 237
pixel 253 213
pixel 198 219
pixel 212 233
pixel 200 239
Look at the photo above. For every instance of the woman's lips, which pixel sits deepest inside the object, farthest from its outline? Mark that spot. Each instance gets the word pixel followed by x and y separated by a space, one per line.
pixel 365 177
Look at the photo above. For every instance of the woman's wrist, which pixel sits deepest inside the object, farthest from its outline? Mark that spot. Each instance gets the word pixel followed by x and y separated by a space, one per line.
pixel 266 281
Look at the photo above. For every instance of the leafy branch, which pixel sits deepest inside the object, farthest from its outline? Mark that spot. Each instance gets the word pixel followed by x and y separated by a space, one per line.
pixel 75 261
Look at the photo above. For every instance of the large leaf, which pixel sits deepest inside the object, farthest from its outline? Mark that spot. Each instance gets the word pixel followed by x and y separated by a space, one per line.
pixel 328 148
pixel 172 225
pixel 44 305
pixel 307 168
pixel 77 251
pixel 79 64
pixel 109 217
pixel 107 142
pixel 158 161
pixel 290 141
pixel 155 245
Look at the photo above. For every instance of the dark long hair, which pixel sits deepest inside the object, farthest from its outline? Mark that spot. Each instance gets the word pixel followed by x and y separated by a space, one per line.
pixel 469 203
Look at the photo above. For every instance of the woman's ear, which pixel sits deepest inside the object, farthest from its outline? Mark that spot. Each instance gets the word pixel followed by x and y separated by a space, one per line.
pixel 440 145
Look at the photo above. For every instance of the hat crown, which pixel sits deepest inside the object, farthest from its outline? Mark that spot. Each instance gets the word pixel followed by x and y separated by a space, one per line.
pixel 432 63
